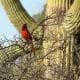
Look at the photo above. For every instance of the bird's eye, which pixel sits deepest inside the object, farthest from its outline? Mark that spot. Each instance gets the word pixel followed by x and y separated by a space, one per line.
pixel 23 29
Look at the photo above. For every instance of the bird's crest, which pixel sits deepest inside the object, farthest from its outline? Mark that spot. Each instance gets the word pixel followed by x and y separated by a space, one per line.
pixel 24 26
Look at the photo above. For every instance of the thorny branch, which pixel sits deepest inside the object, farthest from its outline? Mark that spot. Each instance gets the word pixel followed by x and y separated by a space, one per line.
pixel 18 63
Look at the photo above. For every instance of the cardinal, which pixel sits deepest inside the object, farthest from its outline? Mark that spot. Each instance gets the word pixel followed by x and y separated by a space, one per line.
pixel 27 36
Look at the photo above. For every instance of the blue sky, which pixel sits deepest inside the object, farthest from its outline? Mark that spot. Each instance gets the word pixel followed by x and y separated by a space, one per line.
pixel 6 27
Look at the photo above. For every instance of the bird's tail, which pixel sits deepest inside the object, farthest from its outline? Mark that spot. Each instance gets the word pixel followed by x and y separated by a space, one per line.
pixel 33 49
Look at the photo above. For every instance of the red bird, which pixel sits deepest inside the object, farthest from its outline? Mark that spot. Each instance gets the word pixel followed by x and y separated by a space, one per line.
pixel 27 36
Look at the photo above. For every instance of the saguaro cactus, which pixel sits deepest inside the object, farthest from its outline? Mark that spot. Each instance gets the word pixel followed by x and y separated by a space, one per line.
pixel 66 26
